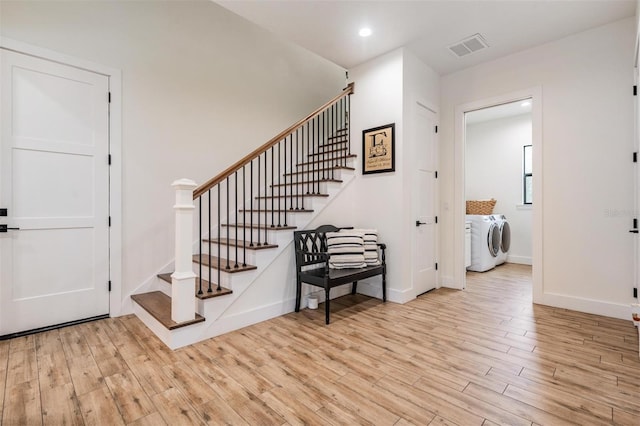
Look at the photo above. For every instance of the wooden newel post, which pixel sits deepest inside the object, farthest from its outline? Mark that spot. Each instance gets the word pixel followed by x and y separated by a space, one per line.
pixel 183 280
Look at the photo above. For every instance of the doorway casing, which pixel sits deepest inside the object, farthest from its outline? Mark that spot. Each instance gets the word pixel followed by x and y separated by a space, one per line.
pixel 459 208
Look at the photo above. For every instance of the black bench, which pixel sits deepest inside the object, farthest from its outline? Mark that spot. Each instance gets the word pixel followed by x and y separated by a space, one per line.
pixel 312 266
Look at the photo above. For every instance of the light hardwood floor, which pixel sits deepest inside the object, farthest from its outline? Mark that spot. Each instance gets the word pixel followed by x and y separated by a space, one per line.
pixel 483 356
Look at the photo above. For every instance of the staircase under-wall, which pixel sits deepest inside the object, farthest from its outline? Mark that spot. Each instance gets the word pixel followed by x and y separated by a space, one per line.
pixel 246 217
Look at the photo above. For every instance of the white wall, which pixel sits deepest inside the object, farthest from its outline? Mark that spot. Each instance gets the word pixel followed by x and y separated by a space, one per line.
pixel 385 88
pixel 201 88
pixel 494 158
pixel 587 138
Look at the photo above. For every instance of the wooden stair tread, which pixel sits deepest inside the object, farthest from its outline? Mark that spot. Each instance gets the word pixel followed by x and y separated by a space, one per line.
pixel 276 210
pixel 262 227
pixel 212 261
pixel 320 170
pixel 240 244
pixel 268 197
pixel 158 305
pixel 327 160
pixel 307 182
pixel 205 286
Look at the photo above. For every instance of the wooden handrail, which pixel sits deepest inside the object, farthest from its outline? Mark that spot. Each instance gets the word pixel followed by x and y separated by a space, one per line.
pixel 273 141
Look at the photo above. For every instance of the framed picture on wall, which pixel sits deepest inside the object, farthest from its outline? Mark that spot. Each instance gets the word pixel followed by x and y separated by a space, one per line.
pixel 378 149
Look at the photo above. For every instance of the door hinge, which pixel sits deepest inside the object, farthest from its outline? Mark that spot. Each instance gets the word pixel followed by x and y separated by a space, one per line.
pixel 109 159
pixel 436 266
pixel 635 157
pixel 635 90
pixel 109 221
pixel 436 219
pixel 109 285
pixel 635 292
pixel 109 97
pixel 436 129
pixel 436 174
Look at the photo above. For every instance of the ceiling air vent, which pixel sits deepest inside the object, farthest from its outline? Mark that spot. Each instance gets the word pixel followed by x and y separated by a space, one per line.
pixel 468 46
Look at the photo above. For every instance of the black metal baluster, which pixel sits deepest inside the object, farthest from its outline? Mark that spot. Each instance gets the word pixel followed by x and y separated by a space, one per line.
pixel 244 217
pixel 235 180
pixel 316 151
pixel 228 226
pixel 316 125
pixel 306 169
pixel 200 245
pixel 209 229
pixel 311 158
pixel 349 125
pixel 285 181
pixel 334 124
pixel 219 288
pixel 325 138
pixel 346 128
pixel 258 203
pixel 265 198
pixel 297 175
pixel 341 107
pixel 273 205
pixel 279 187
pixel 251 204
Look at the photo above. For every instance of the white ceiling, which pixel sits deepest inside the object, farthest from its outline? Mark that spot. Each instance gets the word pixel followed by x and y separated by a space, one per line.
pixel 330 28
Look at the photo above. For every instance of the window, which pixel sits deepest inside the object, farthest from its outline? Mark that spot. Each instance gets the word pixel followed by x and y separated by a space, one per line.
pixel 527 177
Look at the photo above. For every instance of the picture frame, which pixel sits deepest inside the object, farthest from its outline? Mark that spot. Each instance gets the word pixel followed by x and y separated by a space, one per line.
pixel 378 149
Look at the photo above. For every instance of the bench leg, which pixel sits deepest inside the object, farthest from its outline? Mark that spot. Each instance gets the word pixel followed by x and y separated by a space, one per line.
pixel 326 305
pixel 384 285
pixel 298 294
pixel 354 286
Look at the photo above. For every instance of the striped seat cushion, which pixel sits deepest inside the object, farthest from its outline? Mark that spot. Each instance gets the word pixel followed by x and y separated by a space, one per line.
pixel 371 256
pixel 346 250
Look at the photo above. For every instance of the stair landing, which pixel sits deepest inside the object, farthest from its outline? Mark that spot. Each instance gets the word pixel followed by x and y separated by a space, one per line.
pixel 158 305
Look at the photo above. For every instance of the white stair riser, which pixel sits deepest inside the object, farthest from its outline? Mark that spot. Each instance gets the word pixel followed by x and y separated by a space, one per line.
pixel 298 187
pixel 259 235
pixel 293 218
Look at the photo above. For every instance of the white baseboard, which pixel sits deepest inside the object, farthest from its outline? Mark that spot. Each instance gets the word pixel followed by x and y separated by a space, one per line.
pixel 522 260
pixel 590 306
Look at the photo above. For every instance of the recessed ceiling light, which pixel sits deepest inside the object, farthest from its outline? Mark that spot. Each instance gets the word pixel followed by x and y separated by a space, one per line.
pixel 525 104
pixel 364 32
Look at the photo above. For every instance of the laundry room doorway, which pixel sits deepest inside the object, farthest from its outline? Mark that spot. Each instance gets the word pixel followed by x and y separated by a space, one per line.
pixel 498 151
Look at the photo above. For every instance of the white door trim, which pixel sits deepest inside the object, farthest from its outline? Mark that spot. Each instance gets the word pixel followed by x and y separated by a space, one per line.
pixel 115 148
pixel 535 93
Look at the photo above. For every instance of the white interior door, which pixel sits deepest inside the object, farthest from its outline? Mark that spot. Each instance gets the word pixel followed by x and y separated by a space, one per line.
pixel 54 183
pixel 424 200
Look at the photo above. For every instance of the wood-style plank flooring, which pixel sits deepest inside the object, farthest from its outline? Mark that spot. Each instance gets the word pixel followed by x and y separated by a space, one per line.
pixel 483 356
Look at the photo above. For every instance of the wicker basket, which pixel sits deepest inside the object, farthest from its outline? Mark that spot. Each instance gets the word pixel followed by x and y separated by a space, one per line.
pixel 483 207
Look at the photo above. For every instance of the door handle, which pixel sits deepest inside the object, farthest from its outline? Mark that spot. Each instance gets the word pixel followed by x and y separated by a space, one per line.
pixel 633 231
pixel 418 223
pixel 5 228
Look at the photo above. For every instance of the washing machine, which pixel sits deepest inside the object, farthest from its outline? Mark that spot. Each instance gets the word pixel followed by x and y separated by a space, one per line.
pixel 485 242
pixel 505 238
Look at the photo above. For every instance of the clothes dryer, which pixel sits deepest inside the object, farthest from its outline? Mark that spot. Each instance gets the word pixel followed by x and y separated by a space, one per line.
pixel 485 242
pixel 505 238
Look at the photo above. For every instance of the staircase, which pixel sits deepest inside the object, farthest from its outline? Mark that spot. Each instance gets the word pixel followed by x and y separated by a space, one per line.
pixel 245 218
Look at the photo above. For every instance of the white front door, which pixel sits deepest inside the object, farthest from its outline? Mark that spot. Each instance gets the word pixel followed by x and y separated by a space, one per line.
pixel 54 183
pixel 424 200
